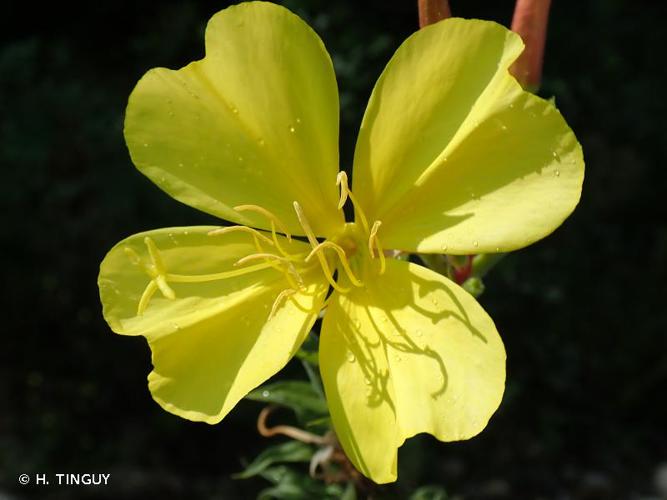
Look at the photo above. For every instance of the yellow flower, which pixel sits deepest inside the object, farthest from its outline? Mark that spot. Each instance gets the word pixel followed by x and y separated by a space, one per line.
pixel 452 157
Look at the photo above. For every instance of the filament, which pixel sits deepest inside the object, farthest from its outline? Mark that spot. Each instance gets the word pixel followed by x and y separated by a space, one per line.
pixel 202 278
pixel 313 243
pixel 146 297
pixel 341 255
pixel 341 180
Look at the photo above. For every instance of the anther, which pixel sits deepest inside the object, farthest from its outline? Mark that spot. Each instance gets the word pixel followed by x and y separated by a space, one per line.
pixel 280 300
pixel 341 180
pixel 245 229
pixel 268 215
pixel 374 242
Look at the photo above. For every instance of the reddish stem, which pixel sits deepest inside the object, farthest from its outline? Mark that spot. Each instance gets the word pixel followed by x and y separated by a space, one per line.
pixel 464 272
pixel 530 21
pixel 432 11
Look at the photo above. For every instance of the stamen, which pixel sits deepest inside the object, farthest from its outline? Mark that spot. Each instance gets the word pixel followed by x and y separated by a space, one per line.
pixel 268 215
pixel 374 240
pixel 341 180
pixel 156 258
pixel 245 229
pixel 133 256
pixel 202 278
pixel 285 260
pixel 255 256
pixel 280 299
pixel 146 297
pixel 341 255
pixel 161 282
pixel 273 219
pixel 313 243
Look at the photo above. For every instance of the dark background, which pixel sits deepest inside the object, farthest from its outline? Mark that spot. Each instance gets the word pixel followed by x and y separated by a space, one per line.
pixel 582 313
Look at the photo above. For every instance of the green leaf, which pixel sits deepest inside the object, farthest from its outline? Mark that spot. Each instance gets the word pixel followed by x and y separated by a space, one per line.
pixel 430 492
pixel 291 451
pixel 295 394
pixel 290 484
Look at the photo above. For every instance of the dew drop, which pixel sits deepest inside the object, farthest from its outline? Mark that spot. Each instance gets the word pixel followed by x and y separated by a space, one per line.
pixel 265 394
pixel 260 142
pixel 443 248
pixel 397 358
pixel 180 165
pixel 511 105
pixel 292 129
pixel 557 173
pixel 556 156
pixel 145 144
pixel 186 233
pixel 176 327
pixel 475 243
pixel 298 120
pixel 434 301
pixel 357 323
pixel 367 381
pixel 240 159
pixel 497 249
pixel 503 127
pixel 419 332
pixel 350 357
pixel 235 111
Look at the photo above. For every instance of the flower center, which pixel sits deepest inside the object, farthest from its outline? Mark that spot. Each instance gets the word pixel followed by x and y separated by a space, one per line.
pixel 340 255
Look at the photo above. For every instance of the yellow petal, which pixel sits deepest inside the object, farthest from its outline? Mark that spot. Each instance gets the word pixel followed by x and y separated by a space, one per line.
pixel 453 156
pixel 213 342
pixel 254 122
pixel 411 353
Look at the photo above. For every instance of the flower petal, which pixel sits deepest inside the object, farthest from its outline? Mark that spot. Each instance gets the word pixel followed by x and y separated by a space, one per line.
pixel 254 122
pixel 411 353
pixel 213 342
pixel 453 156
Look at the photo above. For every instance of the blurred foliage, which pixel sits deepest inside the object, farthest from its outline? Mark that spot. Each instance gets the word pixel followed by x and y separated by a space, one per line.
pixel 582 313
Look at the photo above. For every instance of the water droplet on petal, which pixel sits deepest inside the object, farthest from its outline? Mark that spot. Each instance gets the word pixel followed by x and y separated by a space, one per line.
pixel 292 129
pixel 235 111
pixel 557 173
pixel 503 127
pixel 443 248
pixel 419 332
pixel 475 243
pixel 145 144
pixel 434 301
pixel 260 141
pixel 497 249
pixel 265 394
pixel 512 105
pixel 298 120
pixel 176 327
pixel 367 381
pixel 556 156
pixel 350 357
pixel 180 165
pixel 240 158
